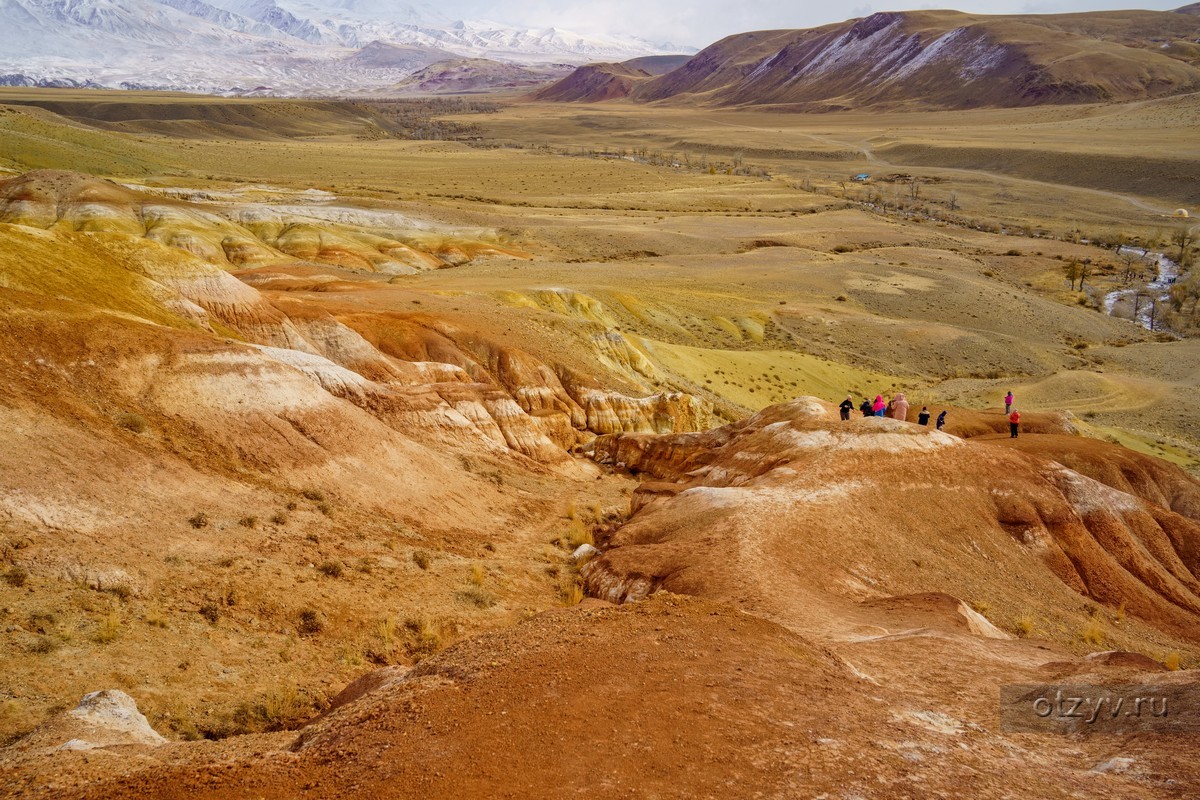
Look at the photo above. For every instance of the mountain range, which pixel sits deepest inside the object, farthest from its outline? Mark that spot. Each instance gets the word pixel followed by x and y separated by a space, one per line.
pixel 942 59
pixel 289 47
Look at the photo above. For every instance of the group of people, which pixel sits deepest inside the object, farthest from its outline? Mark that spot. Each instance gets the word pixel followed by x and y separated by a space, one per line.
pixel 896 408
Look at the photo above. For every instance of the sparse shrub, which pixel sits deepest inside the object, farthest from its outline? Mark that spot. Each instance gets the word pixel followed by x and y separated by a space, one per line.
pixel 1025 626
pixel 841 298
pixel 310 622
pixel 843 248
pixel 121 591
pixel 477 597
pixel 16 576
pixel 110 629
pixel 248 522
pixel 325 508
pixel 313 536
pixel 279 518
pixel 315 495
pixel 1172 661
pixel 44 645
pixel 1093 632
pixel 981 606
pixel 155 619
pixel 572 511
pixel 135 423
pixel 478 573
pixel 292 505
pixel 280 710
pixel 421 558
pixel 332 569
pixel 577 534
pixel 425 638
pixel 570 590
pixel 210 611
pixel 198 520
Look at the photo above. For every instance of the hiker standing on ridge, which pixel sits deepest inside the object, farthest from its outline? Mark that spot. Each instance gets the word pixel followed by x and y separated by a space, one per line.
pixel 941 420
pixel 877 408
pixel 1014 423
pixel 846 407
pixel 1008 401
pixel 923 417
pixel 900 406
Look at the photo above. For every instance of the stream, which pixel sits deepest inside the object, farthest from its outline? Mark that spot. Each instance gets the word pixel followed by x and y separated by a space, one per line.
pixel 1157 289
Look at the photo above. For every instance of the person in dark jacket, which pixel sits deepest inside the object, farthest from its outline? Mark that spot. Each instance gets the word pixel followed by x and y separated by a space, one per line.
pixel 865 407
pixel 923 417
pixel 846 407
pixel 941 420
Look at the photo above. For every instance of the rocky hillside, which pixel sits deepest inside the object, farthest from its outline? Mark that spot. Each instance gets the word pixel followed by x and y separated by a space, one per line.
pixel 592 83
pixel 475 75
pixel 937 59
pixel 792 594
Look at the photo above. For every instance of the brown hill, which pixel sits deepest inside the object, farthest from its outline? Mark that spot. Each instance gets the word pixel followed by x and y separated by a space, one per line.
pixel 592 83
pixel 477 75
pixel 940 59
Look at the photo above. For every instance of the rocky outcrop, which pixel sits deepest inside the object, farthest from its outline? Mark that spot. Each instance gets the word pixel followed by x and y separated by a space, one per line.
pixel 733 510
pixel 102 719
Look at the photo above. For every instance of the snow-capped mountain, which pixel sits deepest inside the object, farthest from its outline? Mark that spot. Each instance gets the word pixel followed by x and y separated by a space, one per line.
pixel 291 46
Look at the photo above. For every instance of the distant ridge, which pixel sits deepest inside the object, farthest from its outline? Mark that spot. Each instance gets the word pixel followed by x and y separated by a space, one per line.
pixel 925 59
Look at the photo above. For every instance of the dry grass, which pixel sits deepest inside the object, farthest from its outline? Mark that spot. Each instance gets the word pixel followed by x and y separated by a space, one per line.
pixel 1025 626
pixel 1093 632
pixel 110 629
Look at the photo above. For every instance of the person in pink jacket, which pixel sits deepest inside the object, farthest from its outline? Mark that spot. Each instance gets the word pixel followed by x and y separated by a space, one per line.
pixel 878 406
pixel 899 406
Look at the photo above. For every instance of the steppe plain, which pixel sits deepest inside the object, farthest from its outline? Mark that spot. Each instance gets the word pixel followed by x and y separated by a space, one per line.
pixel 724 260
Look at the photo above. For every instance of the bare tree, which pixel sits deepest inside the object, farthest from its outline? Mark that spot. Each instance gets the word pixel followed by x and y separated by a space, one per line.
pixel 1183 238
pixel 952 203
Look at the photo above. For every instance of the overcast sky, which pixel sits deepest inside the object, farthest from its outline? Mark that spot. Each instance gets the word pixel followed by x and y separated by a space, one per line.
pixel 702 22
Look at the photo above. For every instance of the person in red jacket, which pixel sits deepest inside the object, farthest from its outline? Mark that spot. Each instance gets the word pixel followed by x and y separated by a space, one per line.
pixel 1014 423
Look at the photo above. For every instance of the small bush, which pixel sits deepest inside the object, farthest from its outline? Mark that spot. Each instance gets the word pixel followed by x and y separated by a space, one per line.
pixel 478 573
pixel 155 619
pixel 1025 626
pixel 1171 662
pixel 210 611
pixel 248 522
pixel 16 576
pixel 1093 633
pixel 424 638
pixel 325 508
pixel 134 423
pixel 422 558
pixel 110 629
pixel 477 597
pixel 279 518
pixel 843 248
pixel 981 606
pixel 577 534
pixel 315 495
pixel 198 520
pixel 332 569
pixel 310 622
pixel 44 645
pixel 570 590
